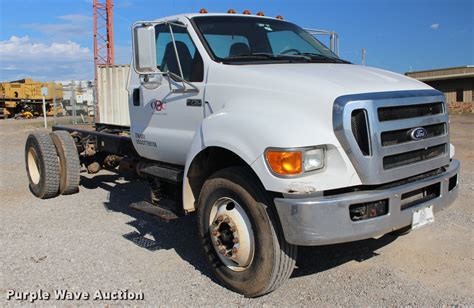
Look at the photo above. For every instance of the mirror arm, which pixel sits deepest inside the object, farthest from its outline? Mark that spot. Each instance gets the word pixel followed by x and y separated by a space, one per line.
pixel 178 60
pixel 177 24
pixel 185 82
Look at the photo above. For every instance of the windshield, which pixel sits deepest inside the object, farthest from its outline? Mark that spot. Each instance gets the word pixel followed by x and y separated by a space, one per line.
pixel 240 40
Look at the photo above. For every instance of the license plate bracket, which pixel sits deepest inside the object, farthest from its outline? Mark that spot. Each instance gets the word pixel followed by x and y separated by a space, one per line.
pixel 422 217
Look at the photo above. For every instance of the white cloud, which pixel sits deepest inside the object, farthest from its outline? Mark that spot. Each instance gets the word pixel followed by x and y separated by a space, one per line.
pixel 72 27
pixel 434 26
pixel 76 17
pixel 21 57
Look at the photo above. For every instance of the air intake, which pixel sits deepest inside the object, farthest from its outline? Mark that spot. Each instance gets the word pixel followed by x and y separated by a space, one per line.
pixel 360 129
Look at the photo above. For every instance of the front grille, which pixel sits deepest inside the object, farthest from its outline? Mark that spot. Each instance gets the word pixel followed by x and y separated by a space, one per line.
pixel 375 130
pixel 406 158
pixel 360 129
pixel 403 135
pixel 409 111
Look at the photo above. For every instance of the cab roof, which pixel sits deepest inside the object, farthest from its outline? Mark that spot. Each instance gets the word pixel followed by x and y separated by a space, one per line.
pixel 192 15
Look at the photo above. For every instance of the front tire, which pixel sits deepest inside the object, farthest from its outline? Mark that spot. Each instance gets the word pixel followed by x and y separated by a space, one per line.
pixel 241 235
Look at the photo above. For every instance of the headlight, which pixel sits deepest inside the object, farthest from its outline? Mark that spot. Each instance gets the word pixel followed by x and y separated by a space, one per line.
pixel 288 162
pixel 313 159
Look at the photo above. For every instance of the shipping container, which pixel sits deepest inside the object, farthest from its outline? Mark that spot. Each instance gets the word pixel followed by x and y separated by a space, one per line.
pixel 112 95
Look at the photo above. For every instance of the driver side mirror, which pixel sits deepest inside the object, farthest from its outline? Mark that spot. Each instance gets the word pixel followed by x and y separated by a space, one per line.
pixel 144 48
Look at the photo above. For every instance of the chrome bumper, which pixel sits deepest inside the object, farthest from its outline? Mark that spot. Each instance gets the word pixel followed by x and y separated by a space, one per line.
pixel 326 220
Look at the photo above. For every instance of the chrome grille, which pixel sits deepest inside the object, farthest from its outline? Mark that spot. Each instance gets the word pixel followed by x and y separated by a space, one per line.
pixel 397 160
pixel 387 119
pixel 403 135
pixel 410 111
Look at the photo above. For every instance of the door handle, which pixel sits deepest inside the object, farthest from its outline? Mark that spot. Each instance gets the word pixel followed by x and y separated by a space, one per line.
pixel 136 97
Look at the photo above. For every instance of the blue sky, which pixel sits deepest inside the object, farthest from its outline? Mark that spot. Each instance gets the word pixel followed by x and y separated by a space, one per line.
pixel 52 39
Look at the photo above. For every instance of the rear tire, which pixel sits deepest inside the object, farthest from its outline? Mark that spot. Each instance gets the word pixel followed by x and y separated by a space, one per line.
pixel 42 165
pixel 68 160
pixel 271 260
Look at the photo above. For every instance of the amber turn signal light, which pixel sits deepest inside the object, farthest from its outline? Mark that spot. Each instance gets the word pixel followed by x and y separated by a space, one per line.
pixel 285 162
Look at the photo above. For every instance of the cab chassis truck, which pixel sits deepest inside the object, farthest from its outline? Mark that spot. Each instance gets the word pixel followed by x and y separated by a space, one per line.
pixel 269 137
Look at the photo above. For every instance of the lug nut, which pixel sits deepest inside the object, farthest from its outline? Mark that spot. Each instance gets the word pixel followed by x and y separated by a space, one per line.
pixel 227 220
pixel 234 250
pixel 219 219
pixel 222 251
pixel 232 229
pixel 235 240
pixel 215 232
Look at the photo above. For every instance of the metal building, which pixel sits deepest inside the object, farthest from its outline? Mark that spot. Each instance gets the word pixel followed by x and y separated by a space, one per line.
pixel 457 84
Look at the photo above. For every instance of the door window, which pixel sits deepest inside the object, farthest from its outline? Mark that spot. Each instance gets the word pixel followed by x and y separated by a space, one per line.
pixel 189 57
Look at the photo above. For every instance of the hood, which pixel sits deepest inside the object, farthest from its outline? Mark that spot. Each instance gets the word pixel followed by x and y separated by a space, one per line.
pixel 333 79
pixel 256 107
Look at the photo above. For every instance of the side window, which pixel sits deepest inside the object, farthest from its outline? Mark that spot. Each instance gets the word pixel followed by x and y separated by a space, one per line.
pixel 189 58
pixel 282 40
pixel 228 45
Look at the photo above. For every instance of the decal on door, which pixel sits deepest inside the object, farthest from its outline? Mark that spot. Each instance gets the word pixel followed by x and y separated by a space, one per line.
pixel 141 140
pixel 158 107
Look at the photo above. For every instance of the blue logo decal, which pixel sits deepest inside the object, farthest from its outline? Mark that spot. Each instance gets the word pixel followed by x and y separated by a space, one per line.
pixel 418 133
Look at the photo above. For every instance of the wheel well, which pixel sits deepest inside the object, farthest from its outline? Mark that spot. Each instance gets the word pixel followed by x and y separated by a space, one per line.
pixel 209 161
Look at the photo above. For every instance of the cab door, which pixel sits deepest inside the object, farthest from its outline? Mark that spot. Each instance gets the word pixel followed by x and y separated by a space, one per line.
pixel 166 111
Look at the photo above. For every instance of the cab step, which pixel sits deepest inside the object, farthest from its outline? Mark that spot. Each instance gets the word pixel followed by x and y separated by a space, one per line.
pixel 162 172
pixel 155 210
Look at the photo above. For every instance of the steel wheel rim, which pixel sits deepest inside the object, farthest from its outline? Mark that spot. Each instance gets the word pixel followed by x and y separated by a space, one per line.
pixel 231 234
pixel 33 168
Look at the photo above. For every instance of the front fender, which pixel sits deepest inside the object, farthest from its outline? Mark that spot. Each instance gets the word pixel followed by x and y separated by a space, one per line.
pixel 248 130
pixel 215 131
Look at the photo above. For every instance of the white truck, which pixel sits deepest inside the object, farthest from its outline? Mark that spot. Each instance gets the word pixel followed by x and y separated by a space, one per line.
pixel 272 139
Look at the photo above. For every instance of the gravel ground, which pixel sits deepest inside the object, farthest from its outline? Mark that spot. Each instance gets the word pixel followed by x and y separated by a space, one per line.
pixel 91 241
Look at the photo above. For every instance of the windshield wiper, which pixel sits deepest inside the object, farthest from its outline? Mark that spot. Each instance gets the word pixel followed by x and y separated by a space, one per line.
pixel 283 56
pixel 321 56
pixel 268 56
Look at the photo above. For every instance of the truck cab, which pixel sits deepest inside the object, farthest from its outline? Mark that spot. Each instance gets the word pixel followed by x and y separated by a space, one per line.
pixel 341 152
pixel 273 141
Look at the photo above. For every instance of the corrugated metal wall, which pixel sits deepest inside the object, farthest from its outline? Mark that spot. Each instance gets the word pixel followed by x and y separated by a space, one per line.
pixel 112 95
pixel 453 71
pixel 448 87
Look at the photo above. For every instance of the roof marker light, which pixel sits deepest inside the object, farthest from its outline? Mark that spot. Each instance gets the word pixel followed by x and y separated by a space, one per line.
pixel 246 12
pixel 203 11
pixel 260 13
pixel 279 17
pixel 231 11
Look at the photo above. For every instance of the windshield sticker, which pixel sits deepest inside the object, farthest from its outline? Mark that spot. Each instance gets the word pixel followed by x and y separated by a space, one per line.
pixel 265 26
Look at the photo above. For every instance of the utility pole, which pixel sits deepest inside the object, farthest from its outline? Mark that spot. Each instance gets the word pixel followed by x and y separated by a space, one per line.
pixel 363 56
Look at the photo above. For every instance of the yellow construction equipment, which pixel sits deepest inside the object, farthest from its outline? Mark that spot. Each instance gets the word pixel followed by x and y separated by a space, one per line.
pixel 17 97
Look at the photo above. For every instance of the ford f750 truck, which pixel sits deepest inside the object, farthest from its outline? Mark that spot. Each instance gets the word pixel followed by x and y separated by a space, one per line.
pixel 269 137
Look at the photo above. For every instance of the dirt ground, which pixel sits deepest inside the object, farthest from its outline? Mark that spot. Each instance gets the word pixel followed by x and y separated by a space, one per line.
pixel 92 241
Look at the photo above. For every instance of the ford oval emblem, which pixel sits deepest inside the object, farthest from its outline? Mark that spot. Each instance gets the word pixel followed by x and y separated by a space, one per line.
pixel 418 133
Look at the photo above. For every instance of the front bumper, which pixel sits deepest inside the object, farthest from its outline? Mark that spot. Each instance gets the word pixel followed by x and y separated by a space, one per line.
pixel 326 220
